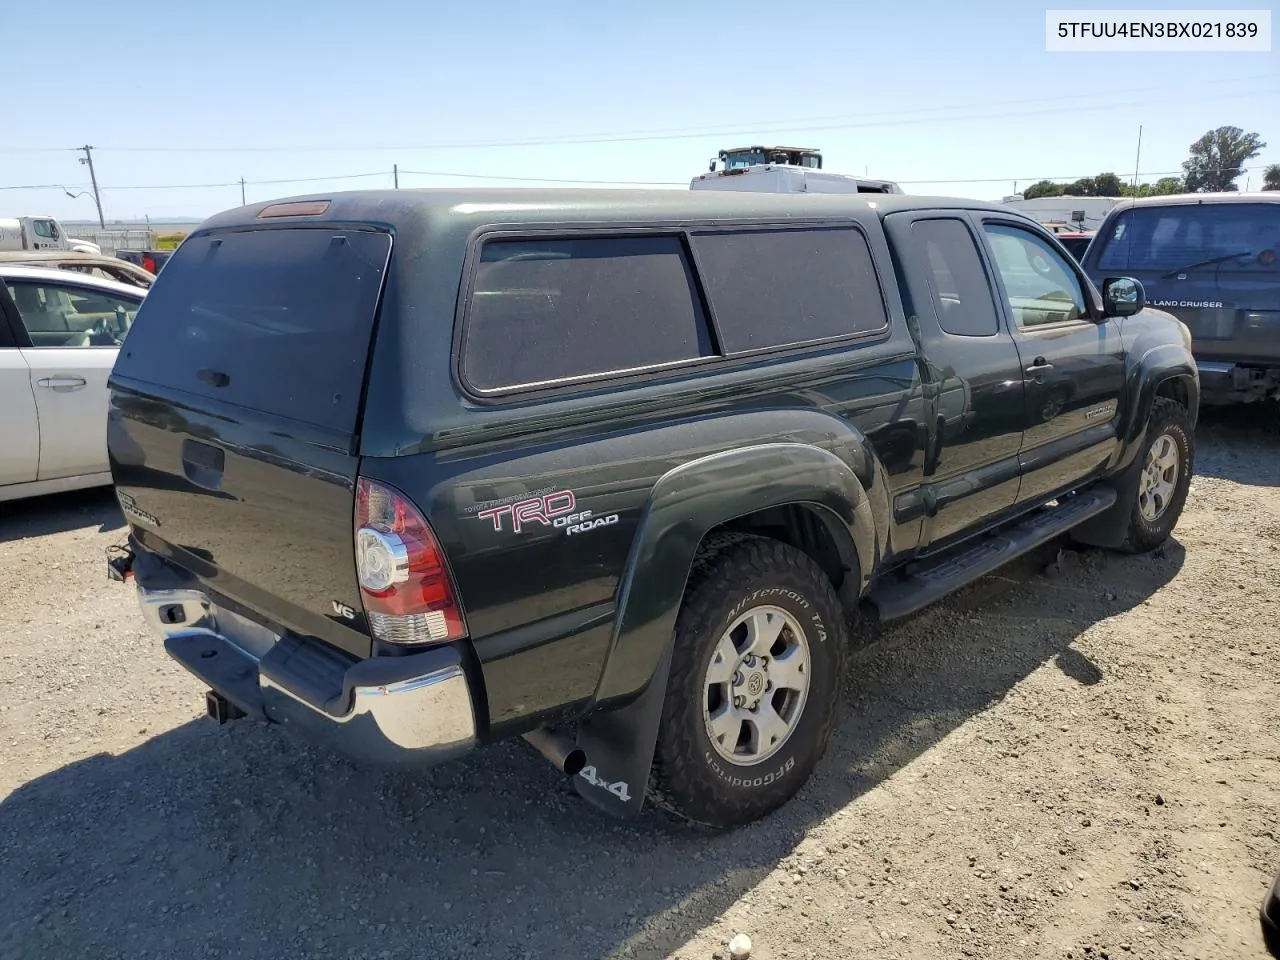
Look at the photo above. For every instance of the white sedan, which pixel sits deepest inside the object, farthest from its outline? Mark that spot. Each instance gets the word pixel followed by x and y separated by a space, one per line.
pixel 59 336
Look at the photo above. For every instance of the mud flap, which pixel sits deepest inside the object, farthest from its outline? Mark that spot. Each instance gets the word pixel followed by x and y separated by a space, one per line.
pixel 619 747
pixel 1109 528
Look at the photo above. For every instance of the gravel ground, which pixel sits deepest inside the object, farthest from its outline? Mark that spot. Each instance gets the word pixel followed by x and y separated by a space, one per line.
pixel 1079 758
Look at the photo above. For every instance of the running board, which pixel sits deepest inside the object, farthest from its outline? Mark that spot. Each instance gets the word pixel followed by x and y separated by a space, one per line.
pixel 901 596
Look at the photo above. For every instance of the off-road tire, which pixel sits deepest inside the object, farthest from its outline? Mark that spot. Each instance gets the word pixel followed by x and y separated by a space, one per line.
pixel 1269 916
pixel 690 780
pixel 1167 417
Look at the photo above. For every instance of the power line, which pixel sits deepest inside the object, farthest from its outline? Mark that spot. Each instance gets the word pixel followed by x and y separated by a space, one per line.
pixel 518 179
pixel 489 176
pixel 1148 173
pixel 236 183
pixel 950 113
pixel 44 186
pixel 342 176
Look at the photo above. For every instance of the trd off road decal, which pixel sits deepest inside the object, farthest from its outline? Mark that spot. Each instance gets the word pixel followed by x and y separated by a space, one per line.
pixel 557 510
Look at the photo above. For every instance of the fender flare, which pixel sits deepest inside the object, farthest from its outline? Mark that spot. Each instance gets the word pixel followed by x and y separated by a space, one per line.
pixel 619 736
pixel 1156 366
pixel 688 502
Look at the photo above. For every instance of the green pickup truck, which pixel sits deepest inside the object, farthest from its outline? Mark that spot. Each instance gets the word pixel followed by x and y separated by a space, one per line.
pixel 413 472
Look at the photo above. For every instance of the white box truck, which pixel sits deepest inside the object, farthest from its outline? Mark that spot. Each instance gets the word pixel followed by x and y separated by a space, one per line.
pixel 782 170
pixel 40 233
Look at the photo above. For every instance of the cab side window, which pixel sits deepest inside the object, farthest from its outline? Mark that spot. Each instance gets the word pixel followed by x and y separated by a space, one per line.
pixel 1040 285
pixel 58 316
pixel 45 229
pixel 957 280
pixel 784 287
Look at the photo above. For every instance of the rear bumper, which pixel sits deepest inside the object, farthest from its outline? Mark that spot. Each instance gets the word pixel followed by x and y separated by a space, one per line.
pixel 1227 382
pixel 415 709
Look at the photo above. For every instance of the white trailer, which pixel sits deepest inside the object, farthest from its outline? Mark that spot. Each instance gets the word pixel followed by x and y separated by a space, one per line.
pixel 1082 213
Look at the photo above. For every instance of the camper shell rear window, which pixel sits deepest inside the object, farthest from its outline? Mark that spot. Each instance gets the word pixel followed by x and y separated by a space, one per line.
pixel 278 320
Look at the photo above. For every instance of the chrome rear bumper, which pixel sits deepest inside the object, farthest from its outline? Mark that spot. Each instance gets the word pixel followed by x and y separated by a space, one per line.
pixel 412 709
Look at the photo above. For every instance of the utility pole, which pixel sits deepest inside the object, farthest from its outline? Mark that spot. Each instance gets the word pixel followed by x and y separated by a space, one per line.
pixel 242 203
pixel 1137 163
pixel 88 159
pixel 395 174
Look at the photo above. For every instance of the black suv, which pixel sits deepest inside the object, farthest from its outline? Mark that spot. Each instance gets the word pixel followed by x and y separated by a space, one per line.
pixel 415 471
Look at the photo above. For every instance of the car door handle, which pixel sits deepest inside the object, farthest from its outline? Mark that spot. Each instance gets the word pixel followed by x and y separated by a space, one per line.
pixel 1039 365
pixel 62 383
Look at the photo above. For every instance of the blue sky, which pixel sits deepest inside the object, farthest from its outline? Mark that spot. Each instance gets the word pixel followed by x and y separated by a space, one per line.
pixel 922 93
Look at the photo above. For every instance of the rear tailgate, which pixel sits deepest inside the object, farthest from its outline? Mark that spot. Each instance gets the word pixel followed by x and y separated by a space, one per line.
pixel 233 418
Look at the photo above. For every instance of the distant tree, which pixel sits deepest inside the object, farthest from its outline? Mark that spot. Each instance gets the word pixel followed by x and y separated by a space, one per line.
pixel 1103 185
pixel 1271 177
pixel 1084 187
pixel 1167 185
pixel 1217 158
pixel 1162 187
pixel 1045 188
pixel 1107 185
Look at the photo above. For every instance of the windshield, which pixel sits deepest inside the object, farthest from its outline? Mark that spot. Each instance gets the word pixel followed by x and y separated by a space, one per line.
pixel 743 158
pixel 1172 237
pixel 737 159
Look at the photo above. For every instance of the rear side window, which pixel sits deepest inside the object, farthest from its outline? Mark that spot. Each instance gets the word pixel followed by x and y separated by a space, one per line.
pixel 957 280
pixel 274 320
pixel 771 288
pixel 547 310
pixel 1176 236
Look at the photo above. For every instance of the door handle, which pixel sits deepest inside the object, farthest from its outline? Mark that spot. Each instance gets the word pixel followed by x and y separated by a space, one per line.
pixel 1039 365
pixel 62 384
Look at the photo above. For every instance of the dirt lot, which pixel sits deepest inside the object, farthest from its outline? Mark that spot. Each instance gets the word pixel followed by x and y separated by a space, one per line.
pixel 1073 759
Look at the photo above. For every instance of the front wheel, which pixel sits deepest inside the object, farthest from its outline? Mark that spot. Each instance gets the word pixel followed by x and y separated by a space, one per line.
pixel 1164 478
pixel 755 678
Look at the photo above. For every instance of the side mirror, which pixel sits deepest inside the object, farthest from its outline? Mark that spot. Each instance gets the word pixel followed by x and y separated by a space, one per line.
pixel 1122 296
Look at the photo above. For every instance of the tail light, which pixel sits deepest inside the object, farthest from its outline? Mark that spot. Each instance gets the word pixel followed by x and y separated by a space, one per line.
pixel 149 263
pixel 408 594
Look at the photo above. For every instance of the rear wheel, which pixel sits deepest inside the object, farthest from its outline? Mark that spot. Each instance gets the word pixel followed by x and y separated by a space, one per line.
pixel 755 678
